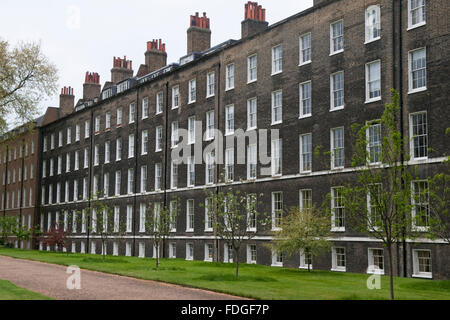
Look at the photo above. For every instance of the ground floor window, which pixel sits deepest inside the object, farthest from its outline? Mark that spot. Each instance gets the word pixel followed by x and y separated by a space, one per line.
pixel 209 249
pixel 141 250
pixel 93 247
pixel 277 259
pixel 83 247
pixel 376 261
pixel 251 254
pixel 115 249
pixel 305 260
pixel 422 263
pixel 338 259
pixel 173 250
pixel 74 249
pixel 228 253
pixel 189 251
pixel 128 249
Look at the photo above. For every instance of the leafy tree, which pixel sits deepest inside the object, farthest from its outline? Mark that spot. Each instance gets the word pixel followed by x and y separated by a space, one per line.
pixel 159 222
pixel 100 220
pixel 234 217
pixel 7 225
pixel 439 193
pixel 57 236
pixel 304 230
pixel 378 201
pixel 26 77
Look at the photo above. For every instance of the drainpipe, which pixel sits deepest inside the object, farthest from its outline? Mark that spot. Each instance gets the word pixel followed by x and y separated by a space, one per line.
pixel 6 181
pixel 136 171
pixel 165 159
pixel 216 240
pixel 91 172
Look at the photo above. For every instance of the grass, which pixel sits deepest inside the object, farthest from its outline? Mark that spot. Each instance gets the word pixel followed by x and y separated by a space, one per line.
pixel 255 281
pixel 8 291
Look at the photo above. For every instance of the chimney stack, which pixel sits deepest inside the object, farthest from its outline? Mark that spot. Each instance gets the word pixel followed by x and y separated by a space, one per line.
pixel 155 56
pixel 66 101
pixel 254 20
pixel 198 34
pixel 91 86
pixel 122 69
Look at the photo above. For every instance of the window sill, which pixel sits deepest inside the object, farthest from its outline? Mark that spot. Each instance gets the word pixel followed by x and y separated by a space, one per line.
pixel 423 275
pixel 338 269
pixel 158 113
pixel 191 102
pixel 306 267
pixel 304 63
pixel 158 150
pixel 190 230
pixel 377 272
pixel 420 229
pixel 338 229
pixel 417 25
pixel 306 116
pixel 209 230
pixel 229 89
pixel 252 81
pixel 373 100
pixel 210 96
pixel 373 40
pixel 337 109
pixel 412 91
pixel 276 265
pixel 306 172
pixel 229 134
pixel 175 108
pixel 276 73
pixel 336 52
pixel 252 129
pixel 276 123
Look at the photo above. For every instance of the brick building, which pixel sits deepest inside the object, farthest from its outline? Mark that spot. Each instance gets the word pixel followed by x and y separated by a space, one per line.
pixel 311 76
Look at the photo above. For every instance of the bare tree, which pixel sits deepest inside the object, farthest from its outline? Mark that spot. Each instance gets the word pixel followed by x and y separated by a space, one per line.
pixel 234 217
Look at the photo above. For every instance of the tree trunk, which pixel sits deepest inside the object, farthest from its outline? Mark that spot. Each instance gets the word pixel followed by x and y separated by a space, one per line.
pixel 391 271
pixel 157 255
pixel 236 259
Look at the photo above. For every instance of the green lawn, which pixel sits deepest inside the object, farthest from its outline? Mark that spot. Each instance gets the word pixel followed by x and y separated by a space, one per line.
pixel 8 291
pixel 260 282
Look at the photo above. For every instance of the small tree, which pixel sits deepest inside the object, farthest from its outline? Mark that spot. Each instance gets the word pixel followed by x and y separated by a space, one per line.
pixel 378 202
pixel 159 223
pixel 56 235
pixel 98 218
pixel 234 217
pixel 7 225
pixel 304 230
pixel 439 193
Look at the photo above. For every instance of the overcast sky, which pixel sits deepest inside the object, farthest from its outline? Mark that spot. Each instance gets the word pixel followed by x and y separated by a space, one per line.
pixel 84 35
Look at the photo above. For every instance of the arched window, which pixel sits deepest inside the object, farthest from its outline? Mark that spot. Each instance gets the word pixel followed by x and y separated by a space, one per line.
pixel 373 23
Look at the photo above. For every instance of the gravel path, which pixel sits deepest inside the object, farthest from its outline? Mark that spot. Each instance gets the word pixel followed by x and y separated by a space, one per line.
pixel 50 280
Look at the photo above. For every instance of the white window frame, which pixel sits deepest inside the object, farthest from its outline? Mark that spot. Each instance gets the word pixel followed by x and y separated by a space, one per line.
pixel 145 110
pixel 333 107
pixel 191 130
pixel 274 214
pixel 210 84
pixel 277 157
pixel 416 272
pixel 229 78
pixel 249 114
pixel 249 254
pixel 159 102
pixel 368 65
pixel 229 120
pixel 332 148
pixel 132 113
pixel 275 259
pixel 372 268
pixel 418 24
pixel 414 204
pixel 335 228
pixel 302 99
pixel 334 266
pixel 189 254
pixel 333 51
pixel 250 69
pixel 302 154
pixel 277 62
pixel 144 142
pixel 413 137
pixel 192 92
pixel 302 60
pixel 158 139
pixel 410 72
pixel 175 97
pixel 370 26
pixel 251 161
pixel 275 107
pixel 303 261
